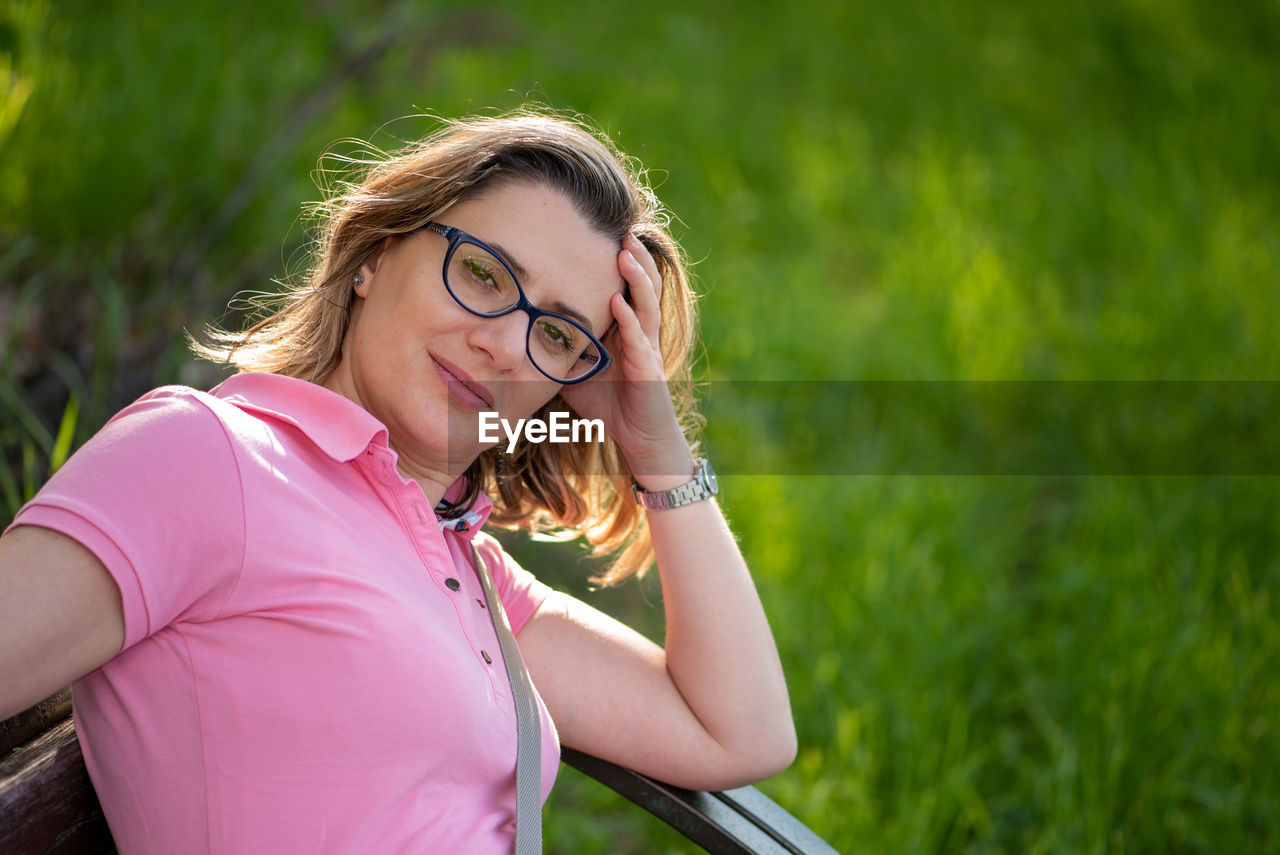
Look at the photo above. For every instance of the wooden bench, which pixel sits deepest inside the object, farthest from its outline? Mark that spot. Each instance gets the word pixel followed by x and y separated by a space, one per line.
pixel 48 806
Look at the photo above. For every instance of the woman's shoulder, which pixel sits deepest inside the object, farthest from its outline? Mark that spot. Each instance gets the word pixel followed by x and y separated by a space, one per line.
pixel 178 416
pixel 175 429
pixel 173 403
pixel 238 403
pixel 256 417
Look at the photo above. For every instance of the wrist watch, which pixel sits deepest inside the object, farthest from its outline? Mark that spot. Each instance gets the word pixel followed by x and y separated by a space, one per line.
pixel 703 486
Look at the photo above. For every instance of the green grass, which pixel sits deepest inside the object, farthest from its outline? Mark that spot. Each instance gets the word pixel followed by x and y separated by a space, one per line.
pixel 907 191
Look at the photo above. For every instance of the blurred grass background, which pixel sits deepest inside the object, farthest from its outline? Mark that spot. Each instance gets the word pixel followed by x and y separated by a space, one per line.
pixel 907 191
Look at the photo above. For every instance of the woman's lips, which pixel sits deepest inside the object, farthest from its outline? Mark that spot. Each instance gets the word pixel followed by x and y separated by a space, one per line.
pixel 461 387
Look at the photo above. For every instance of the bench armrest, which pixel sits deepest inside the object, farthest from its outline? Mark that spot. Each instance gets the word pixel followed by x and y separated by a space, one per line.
pixel 741 821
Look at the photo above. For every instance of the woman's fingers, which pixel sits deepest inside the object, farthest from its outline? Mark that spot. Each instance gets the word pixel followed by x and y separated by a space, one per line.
pixel 636 343
pixel 641 272
pixel 648 263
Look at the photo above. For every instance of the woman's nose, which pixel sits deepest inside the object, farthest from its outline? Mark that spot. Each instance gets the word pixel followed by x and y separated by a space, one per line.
pixel 503 338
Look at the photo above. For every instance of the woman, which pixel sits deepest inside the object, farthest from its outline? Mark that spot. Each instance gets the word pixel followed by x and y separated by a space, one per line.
pixel 266 593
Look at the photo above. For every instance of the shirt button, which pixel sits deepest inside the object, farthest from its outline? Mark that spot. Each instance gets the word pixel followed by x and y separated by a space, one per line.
pixel 452 584
pixel 487 660
pixel 480 601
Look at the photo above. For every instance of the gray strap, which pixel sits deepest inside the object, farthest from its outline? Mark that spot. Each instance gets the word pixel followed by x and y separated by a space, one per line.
pixel 528 723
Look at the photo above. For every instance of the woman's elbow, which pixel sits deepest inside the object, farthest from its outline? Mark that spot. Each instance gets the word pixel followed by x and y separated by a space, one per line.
pixel 777 742
pixel 777 753
pixel 765 757
pixel 787 749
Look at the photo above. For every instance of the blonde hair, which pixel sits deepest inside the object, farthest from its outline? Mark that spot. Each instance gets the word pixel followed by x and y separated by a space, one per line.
pixel 564 490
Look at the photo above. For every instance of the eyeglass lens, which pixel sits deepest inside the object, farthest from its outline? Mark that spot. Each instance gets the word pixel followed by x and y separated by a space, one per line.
pixel 480 281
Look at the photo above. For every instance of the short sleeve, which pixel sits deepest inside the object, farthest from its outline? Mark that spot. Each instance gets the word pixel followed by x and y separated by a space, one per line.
pixel 156 496
pixel 520 591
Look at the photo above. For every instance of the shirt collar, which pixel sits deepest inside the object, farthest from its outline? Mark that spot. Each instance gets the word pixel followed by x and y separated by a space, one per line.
pixel 338 426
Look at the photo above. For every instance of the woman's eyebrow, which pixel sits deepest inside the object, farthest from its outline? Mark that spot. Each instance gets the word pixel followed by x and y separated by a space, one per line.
pixel 516 267
pixel 563 308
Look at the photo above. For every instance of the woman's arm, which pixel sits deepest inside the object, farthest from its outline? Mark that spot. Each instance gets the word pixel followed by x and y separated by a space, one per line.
pixel 709 712
pixel 60 615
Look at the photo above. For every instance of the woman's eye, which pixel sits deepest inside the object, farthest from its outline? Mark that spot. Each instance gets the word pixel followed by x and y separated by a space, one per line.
pixel 481 272
pixel 558 335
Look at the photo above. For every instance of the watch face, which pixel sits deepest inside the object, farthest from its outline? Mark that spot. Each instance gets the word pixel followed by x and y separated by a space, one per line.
pixel 709 477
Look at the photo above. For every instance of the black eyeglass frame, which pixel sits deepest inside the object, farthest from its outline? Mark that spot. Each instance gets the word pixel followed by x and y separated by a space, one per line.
pixel 456 238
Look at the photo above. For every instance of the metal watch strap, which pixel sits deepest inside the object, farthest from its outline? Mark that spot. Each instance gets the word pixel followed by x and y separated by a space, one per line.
pixel 703 486
pixel 528 722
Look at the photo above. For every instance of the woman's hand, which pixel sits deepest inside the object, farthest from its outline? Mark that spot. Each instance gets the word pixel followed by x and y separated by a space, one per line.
pixel 631 398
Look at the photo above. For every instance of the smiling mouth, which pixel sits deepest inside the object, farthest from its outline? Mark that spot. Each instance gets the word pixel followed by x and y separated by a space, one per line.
pixel 464 390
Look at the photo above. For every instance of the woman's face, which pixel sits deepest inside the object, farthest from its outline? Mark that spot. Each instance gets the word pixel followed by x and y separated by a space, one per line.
pixel 425 366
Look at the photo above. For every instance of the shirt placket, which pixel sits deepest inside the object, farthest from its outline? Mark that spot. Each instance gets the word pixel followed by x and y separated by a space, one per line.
pixel 450 575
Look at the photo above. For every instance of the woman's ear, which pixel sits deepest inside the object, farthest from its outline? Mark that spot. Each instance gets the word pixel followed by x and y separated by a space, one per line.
pixel 370 265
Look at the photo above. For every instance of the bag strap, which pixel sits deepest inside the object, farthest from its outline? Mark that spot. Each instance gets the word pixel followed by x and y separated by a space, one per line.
pixel 528 722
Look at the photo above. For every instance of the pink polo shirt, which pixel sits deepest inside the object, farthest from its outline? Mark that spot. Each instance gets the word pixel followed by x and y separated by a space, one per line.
pixel 308 664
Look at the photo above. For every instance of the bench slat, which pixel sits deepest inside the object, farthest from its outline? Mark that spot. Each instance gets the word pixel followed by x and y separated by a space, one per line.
pixel 741 821
pixel 47 802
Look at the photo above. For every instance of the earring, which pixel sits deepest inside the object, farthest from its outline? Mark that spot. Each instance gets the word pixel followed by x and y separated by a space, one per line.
pixel 358 279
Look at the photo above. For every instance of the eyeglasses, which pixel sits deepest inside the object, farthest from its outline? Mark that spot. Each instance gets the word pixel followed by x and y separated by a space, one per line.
pixel 482 282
